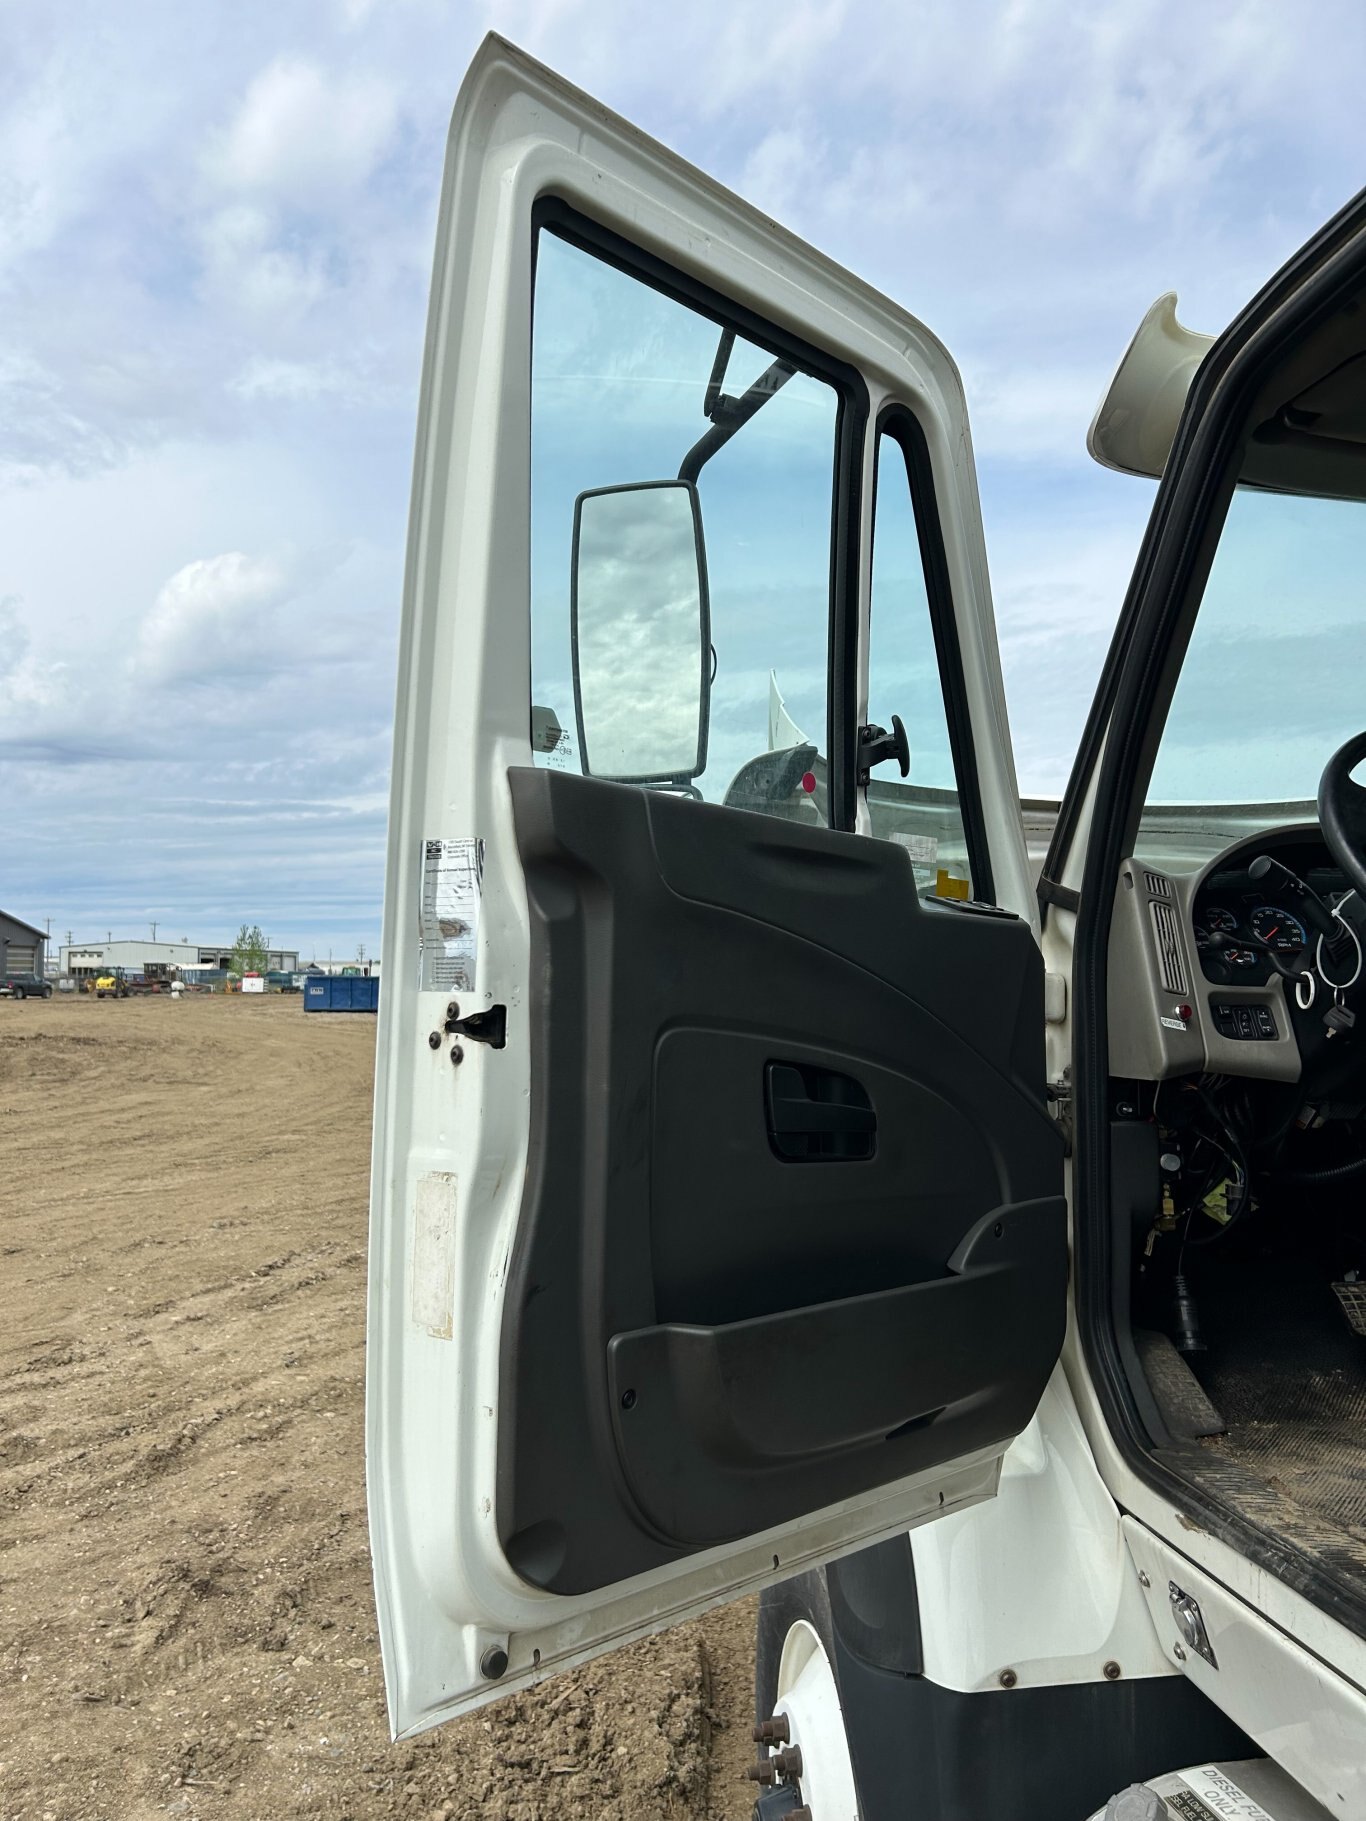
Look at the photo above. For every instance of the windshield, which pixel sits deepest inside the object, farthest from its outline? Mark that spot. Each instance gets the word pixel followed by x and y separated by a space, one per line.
pixel 1272 683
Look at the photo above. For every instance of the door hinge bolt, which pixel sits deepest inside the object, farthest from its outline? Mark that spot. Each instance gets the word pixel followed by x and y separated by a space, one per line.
pixel 773 1731
pixel 434 1040
pixel 1007 1678
pixel 457 1054
pixel 1112 1671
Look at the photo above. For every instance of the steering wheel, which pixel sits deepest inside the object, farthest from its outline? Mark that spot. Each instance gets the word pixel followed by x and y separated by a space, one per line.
pixel 1342 812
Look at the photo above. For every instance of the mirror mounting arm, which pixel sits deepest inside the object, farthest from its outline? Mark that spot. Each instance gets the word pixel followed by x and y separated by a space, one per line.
pixel 876 746
pixel 731 414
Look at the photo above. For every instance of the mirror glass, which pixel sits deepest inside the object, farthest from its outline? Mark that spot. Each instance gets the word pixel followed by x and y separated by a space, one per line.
pixel 641 633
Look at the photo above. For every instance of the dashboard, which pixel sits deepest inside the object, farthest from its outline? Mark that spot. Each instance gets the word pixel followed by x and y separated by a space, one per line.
pixel 1194 988
pixel 1235 919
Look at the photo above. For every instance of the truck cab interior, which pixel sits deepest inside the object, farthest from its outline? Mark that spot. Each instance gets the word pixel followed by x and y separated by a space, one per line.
pixel 1220 992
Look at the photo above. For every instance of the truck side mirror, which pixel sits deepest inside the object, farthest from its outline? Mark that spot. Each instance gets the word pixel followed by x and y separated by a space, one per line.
pixel 641 633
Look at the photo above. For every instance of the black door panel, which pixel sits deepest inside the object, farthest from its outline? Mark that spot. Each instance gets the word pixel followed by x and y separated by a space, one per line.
pixel 705 1337
pixel 734 1429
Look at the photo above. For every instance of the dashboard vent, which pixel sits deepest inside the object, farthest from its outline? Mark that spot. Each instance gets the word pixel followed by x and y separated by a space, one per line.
pixel 1171 961
pixel 1158 887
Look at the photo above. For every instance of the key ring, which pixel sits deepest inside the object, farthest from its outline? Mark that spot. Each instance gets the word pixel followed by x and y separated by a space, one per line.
pixel 1337 986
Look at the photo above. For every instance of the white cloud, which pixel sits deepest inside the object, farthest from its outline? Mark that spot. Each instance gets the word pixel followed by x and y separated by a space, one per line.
pixel 304 138
pixel 210 619
pixel 29 685
pixel 248 268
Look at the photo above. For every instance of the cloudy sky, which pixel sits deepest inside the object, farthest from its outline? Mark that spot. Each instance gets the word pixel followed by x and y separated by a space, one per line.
pixel 215 232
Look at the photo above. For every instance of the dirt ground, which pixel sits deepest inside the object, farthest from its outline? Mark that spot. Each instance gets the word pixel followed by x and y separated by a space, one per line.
pixel 186 1622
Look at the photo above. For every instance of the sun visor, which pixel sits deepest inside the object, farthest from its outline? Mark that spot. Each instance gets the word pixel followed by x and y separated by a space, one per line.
pixel 1136 420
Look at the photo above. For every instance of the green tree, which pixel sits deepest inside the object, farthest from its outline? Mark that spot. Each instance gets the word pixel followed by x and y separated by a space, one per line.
pixel 250 954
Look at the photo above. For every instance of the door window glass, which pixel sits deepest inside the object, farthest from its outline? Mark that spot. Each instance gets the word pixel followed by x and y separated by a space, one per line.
pixel 923 811
pixel 632 388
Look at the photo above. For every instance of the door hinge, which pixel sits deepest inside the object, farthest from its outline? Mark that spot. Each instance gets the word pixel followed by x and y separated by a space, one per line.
pixel 489 1027
pixel 1060 1101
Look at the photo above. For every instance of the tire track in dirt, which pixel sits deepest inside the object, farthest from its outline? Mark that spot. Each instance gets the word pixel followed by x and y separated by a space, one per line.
pixel 186 1621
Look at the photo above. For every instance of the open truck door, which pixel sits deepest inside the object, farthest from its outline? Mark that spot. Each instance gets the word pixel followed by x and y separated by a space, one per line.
pixel 717 1212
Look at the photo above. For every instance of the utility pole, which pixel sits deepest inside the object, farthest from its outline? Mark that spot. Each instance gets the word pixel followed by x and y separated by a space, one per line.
pixel 154 932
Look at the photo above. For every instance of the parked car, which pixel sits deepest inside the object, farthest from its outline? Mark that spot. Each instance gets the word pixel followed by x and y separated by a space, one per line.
pixel 24 986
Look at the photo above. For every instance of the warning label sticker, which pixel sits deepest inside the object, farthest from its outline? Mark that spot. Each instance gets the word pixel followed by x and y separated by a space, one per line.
pixel 1211 1795
pixel 1188 1807
pixel 924 852
pixel 452 888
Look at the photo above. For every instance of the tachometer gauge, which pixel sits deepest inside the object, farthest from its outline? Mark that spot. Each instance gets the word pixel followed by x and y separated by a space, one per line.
pixel 1217 918
pixel 1279 929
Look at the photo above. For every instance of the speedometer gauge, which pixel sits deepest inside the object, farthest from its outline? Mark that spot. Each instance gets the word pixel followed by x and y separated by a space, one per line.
pixel 1279 929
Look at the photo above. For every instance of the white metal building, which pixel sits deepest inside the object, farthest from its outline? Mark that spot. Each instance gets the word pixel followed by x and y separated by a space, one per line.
pixel 137 955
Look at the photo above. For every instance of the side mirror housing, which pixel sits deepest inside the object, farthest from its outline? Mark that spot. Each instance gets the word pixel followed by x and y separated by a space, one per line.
pixel 640 624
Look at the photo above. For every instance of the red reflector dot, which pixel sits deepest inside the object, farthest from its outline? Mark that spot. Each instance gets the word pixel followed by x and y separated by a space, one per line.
pixel 1185 1012
pixel 808 782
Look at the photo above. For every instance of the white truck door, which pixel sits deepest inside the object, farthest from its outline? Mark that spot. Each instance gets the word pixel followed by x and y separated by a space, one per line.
pixel 717 1216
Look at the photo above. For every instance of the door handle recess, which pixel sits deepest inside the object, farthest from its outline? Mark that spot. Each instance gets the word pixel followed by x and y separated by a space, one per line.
pixel 817 1115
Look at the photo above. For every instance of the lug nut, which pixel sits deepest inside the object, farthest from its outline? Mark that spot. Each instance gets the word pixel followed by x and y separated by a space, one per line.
pixel 762 1772
pixel 773 1731
pixel 788 1763
pixel 799 1814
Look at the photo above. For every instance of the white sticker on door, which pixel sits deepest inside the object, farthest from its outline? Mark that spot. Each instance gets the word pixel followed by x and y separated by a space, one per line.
pixel 432 1290
pixel 924 852
pixel 452 885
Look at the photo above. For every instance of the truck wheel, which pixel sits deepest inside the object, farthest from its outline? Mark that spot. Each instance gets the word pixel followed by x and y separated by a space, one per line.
pixel 794 1683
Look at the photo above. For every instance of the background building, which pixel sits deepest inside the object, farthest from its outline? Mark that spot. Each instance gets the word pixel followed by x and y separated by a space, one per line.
pixel 22 947
pixel 136 955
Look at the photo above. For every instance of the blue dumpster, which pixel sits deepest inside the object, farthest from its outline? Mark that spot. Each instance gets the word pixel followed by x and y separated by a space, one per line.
pixel 341 993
